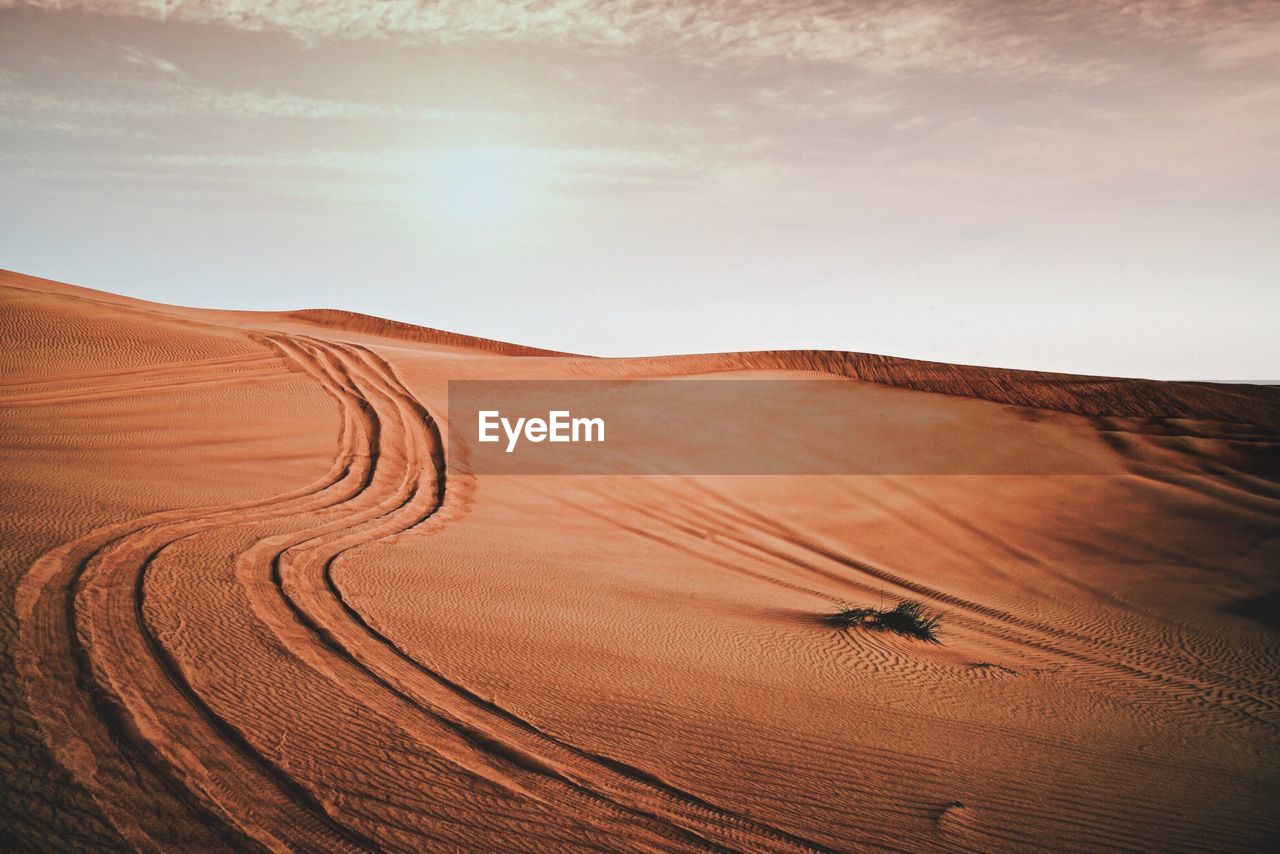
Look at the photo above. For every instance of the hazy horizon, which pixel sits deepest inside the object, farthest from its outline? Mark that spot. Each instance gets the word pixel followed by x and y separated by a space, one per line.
pixel 1088 189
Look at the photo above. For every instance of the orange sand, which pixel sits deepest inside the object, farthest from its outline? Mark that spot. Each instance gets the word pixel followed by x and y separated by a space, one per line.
pixel 243 605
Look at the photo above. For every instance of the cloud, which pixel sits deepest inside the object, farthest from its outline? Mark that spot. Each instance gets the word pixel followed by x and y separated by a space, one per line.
pixel 169 100
pixel 142 59
pixel 1088 39
pixel 809 101
pixel 835 87
pixel 380 178
pixel 1239 49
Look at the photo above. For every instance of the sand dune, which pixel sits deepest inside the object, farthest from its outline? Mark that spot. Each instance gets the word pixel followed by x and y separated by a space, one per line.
pixel 246 603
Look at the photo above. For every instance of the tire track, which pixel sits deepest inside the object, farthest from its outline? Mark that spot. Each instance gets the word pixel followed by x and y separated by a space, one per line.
pixel 591 781
pixel 1216 692
pixel 166 761
pixel 82 647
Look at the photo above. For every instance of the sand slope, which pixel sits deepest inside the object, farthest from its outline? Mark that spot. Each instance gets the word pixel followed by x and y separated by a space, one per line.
pixel 245 604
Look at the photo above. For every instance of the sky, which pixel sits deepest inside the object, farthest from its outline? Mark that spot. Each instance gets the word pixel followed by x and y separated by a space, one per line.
pixel 1090 187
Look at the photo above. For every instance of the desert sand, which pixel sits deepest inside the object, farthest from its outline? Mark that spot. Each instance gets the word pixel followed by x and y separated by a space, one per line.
pixel 245 603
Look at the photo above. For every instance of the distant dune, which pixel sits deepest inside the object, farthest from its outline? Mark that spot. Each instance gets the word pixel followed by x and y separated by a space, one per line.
pixel 245 603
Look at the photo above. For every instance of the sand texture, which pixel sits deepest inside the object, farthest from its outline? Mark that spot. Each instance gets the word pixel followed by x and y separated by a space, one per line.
pixel 246 604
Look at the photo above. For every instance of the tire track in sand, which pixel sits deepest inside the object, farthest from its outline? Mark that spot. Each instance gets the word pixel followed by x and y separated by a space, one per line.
pixel 407 490
pixel 120 713
pixel 1216 692
pixel 540 765
pixel 120 718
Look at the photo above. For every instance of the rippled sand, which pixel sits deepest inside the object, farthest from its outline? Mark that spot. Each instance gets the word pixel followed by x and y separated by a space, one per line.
pixel 246 604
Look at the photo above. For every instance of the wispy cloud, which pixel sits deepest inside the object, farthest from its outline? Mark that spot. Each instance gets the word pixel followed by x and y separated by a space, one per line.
pixel 168 100
pixel 1237 49
pixel 1032 37
pixel 142 59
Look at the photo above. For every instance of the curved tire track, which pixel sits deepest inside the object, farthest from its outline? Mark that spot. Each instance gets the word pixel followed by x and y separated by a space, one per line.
pixel 166 759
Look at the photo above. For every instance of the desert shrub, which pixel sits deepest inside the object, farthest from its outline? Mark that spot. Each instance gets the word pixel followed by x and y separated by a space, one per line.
pixel 846 617
pixel 908 618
